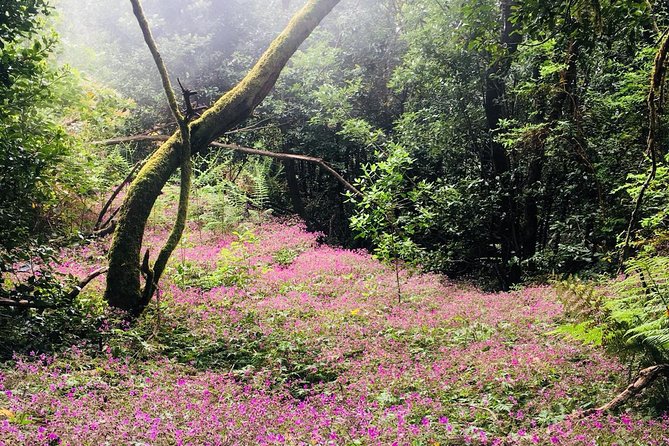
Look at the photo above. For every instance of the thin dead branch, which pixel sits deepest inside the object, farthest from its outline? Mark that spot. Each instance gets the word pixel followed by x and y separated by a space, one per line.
pixel 290 156
pixel 107 228
pixel 82 284
pixel 186 93
pixel 250 151
pixel 127 139
pixel 105 208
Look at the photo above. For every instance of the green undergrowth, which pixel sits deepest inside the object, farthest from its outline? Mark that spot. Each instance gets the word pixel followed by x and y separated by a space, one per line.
pixel 629 317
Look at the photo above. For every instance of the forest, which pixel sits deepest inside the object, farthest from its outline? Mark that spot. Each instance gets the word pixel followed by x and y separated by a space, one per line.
pixel 334 222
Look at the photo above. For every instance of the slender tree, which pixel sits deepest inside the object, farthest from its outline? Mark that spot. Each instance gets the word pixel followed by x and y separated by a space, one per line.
pixel 496 162
pixel 123 279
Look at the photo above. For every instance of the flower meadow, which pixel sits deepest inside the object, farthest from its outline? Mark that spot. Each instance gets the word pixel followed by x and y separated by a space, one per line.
pixel 265 336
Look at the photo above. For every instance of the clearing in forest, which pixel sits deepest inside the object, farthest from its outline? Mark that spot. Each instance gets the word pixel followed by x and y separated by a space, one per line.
pixel 267 337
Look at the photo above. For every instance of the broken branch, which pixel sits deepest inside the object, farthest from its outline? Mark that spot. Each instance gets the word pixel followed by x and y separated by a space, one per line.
pixel 644 379
pixel 106 229
pixel 249 151
pixel 77 289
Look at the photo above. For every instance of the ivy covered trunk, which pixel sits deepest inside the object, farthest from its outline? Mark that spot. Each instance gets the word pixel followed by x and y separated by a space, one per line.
pixel 123 288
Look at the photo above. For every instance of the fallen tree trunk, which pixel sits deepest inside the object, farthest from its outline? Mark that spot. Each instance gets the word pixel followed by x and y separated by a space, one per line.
pixel 23 303
pixel 643 380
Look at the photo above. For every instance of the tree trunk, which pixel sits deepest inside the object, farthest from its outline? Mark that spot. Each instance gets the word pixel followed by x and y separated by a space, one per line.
pixel 564 100
pixel 294 189
pixel 496 163
pixel 123 279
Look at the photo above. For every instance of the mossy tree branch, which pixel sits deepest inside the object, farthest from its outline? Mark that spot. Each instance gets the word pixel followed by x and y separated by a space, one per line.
pixel 123 285
pixel 186 165
pixel 158 59
pixel 654 101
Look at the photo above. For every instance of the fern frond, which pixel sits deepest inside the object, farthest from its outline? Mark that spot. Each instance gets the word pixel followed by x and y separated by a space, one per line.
pixel 261 189
pixel 640 304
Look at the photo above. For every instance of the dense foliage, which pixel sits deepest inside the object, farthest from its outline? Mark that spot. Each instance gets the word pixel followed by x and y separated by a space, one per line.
pixel 49 179
pixel 501 142
pixel 521 121
pixel 525 119
pixel 31 142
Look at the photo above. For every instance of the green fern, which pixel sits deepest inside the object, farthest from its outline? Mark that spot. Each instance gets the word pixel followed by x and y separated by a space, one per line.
pixel 587 332
pixel 581 300
pixel 641 306
pixel 584 310
pixel 260 175
pixel 229 189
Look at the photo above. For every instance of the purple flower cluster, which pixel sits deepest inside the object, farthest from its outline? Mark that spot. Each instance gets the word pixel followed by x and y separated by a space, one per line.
pixel 446 365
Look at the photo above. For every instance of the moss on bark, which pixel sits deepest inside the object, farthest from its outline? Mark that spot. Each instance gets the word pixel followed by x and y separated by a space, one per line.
pixel 123 284
pixel 123 279
pixel 180 223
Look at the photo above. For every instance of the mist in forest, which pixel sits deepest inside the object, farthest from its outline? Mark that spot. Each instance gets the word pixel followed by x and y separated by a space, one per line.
pixel 203 42
pixel 208 44
pixel 417 222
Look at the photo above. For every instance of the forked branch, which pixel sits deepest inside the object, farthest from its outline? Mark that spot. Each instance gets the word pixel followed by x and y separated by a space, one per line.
pixel 124 288
pixel 153 276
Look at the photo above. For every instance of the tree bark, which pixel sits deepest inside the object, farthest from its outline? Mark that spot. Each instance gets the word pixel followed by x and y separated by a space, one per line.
pixel 294 188
pixel 123 279
pixel 645 378
pixel 495 89
pixel 153 275
pixel 496 163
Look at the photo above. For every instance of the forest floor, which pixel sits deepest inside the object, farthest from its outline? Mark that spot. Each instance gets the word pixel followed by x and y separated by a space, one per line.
pixel 267 337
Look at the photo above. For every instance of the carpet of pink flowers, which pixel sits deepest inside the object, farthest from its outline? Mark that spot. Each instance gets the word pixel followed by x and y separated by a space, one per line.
pixel 267 337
